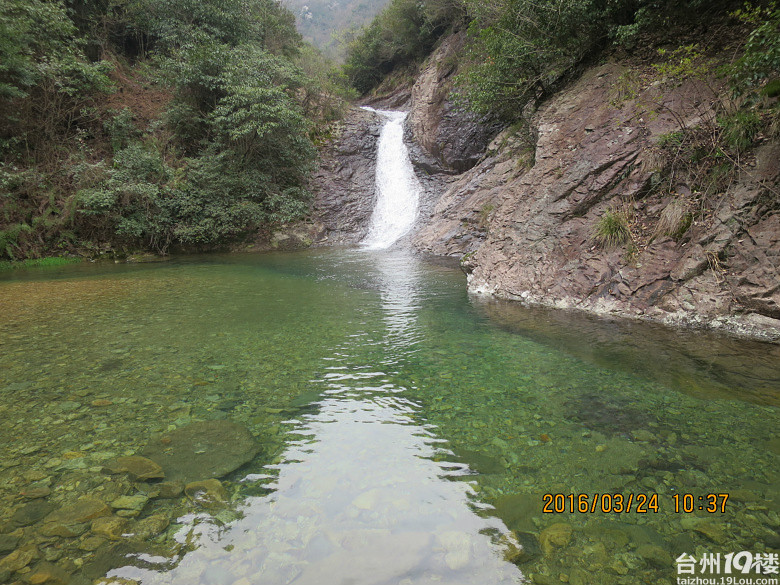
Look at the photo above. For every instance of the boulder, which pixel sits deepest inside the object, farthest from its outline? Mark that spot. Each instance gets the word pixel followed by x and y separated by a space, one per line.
pixel 203 450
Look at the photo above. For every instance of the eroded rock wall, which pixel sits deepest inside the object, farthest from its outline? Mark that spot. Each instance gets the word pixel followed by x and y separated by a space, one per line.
pixel 344 184
pixel 526 220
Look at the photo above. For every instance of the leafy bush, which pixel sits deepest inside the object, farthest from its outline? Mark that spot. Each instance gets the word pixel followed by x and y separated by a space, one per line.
pixel 760 60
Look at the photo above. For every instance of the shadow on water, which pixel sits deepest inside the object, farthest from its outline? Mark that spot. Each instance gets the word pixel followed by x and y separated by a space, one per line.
pixel 703 364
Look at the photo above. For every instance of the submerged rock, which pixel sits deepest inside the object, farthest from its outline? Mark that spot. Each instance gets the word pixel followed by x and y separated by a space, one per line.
pixel 151 526
pixel 31 513
pixel 207 493
pixel 111 527
pixel 136 467
pixel 203 450
pixel 49 574
pixel 20 558
pixel 555 536
pixel 8 543
pixel 71 520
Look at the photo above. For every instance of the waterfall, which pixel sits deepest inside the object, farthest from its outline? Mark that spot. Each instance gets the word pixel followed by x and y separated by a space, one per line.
pixel 398 190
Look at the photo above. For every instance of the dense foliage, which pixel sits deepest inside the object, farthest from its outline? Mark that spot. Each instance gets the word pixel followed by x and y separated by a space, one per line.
pixel 520 50
pixel 403 33
pixel 151 123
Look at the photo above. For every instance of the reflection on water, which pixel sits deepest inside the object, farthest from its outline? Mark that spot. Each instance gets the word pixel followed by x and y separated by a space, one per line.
pixel 358 499
pixel 363 494
pixel 403 436
pixel 700 363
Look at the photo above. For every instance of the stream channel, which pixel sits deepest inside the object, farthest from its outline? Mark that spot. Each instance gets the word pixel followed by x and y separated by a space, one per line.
pixel 353 416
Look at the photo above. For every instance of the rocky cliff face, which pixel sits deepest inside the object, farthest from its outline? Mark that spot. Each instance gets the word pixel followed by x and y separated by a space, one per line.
pixel 522 208
pixel 344 183
pixel 526 214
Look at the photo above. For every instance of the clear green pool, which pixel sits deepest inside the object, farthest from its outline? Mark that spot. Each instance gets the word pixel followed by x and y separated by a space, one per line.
pixel 407 433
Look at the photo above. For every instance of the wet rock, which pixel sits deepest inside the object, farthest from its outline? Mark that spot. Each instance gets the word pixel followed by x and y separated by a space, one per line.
pixel 52 554
pixel 32 513
pixel 70 520
pixel 135 503
pixel 170 489
pixel 555 536
pixel 92 543
pixel 48 574
pixel 207 493
pixel 32 475
pixel 526 550
pixel 655 555
pixel 150 526
pixel 482 462
pixel 643 436
pixel 19 558
pixel 136 467
pixel 35 492
pixel 518 510
pixel 345 181
pixel 714 531
pixel 111 527
pixel 8 543
pixel 201 450
pixel 64 530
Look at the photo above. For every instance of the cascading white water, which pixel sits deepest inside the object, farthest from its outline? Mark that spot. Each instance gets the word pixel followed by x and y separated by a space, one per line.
pixel 398 190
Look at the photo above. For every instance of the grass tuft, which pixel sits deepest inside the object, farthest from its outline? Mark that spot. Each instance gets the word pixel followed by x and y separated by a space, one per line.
pixel 612 229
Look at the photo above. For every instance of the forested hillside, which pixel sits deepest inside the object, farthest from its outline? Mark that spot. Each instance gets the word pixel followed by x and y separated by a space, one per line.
pixel 519 52
pixel 150 124
pixel 326 24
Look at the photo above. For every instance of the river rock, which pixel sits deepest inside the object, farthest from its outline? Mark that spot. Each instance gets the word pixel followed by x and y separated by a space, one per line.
pixel 655 555
pixel 111 527
pixel 207 493
pixel 136 467
pixel 150 526
pixel 203 450
pixel 70 520
pixel 32 513
pixel 170 489
pixel 8 543
pixel 135 503
pixel 19 558
pixel 555 536
pixel 48 574
pixel 518 510
pixel 643 436
pixel 35 492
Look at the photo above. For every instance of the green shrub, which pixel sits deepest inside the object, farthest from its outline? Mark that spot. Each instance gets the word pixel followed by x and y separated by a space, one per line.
pixel 612 229
pixel 740 128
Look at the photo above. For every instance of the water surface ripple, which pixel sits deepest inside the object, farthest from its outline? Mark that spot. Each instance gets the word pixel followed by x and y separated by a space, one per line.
pixel 407 432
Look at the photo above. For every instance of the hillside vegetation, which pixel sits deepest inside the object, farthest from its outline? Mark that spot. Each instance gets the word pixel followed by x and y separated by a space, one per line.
pixel 520 51
pixel 150 124
pixel 327 23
